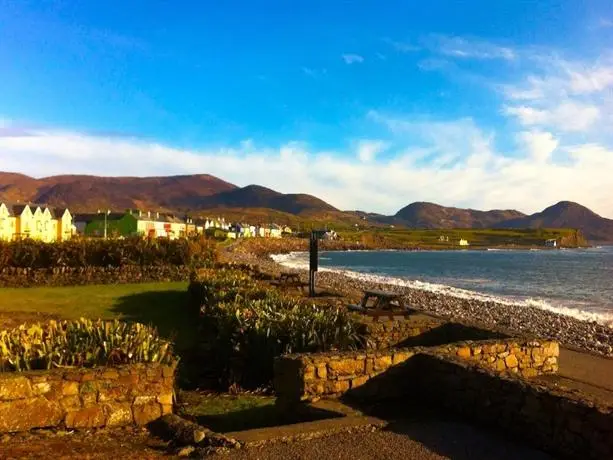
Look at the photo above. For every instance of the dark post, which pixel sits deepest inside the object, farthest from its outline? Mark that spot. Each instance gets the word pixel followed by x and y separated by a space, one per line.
pixel 313 262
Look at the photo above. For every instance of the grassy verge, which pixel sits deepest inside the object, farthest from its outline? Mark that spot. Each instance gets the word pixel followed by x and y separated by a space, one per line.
pixel 159 304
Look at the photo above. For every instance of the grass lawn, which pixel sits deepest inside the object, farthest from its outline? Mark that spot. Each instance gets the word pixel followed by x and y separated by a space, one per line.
pixel 224 413
pixel 160 304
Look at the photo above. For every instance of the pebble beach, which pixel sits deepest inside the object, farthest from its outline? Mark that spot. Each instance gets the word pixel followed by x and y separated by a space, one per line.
pixel 519 319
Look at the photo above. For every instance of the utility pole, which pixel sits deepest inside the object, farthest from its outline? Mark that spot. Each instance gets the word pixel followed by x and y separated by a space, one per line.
pixel 107 212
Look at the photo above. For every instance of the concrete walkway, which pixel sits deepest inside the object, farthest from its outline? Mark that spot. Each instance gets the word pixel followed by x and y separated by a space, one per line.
pixel 585 372
pixel 419 439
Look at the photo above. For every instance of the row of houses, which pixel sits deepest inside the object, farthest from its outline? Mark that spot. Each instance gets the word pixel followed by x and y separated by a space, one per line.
pixel 49 224
pixel 38 222
pixel 160 225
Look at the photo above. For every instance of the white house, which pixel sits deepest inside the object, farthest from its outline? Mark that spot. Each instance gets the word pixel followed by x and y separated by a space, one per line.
pixel 551 243
pixel 463 242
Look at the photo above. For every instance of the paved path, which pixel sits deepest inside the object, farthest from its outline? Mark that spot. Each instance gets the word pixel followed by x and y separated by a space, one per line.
pixel 418 439
pixel 588 373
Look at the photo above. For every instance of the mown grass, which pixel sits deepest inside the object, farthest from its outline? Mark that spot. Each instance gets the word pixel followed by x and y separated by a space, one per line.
pixel 159 304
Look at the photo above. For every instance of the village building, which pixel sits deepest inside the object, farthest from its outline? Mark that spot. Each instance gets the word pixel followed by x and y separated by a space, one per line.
pixel 463 242
pixel 38 222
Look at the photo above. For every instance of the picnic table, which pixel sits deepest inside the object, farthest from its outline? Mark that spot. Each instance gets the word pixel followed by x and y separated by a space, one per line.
pixel 383 300
pixel 290 279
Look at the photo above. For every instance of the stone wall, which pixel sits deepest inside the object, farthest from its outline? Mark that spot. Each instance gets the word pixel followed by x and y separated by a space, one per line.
pixel 385 331
pixel 311 376
pixel 561 421
pixel 398 330
pixel 71 276
pixel 85 398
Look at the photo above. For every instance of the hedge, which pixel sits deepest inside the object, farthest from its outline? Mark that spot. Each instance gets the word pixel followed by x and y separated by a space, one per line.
pixel 79 253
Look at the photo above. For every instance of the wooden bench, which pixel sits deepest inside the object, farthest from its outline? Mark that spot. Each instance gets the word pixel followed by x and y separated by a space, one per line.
pixel 383 300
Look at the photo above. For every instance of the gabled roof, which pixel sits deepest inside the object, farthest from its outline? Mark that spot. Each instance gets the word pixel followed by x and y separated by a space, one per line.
pixel 16 209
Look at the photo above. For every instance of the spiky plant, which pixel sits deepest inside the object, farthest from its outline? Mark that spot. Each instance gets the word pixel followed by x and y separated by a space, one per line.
pixel 82 343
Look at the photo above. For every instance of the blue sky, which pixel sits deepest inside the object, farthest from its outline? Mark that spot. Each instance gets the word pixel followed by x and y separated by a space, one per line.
pixel 367 105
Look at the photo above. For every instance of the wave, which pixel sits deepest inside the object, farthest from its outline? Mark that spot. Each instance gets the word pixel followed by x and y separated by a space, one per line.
pixel 299 260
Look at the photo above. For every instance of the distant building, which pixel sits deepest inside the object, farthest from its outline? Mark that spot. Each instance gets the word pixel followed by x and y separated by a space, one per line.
pixel 551 243
pixel 38 222
pixel 463 242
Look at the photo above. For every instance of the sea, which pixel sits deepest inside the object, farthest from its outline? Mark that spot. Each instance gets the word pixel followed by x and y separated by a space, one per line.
pixel 574 282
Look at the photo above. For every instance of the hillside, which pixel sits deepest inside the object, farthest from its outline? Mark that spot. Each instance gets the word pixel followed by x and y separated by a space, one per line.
pixel 255 196
pixel 430 215
pixel 85 193
pixel 567 214
pixel 178 193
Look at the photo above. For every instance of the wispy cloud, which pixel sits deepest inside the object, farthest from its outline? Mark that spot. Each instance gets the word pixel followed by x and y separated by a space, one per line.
pixel 401 46
pixel 453 162
pixel 605 23
pixel 465 48
pixel 563 95
pixel 352 58
pixel 432 64
pixel 568 116
pixel 314 73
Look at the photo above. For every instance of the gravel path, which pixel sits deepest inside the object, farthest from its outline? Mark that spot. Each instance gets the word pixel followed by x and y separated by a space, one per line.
pixel 421 440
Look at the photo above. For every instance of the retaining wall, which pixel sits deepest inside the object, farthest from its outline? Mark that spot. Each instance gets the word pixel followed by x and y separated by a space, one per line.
pixel 398 330
pixel 85 398
pixel 71 276
pixel 311 376
pixel 564 422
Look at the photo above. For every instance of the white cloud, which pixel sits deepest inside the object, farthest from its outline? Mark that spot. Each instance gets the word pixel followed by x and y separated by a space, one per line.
pixel 464 48
pixel 539 145
pixel 369 149
pixel 605 23
pixel 452 163
pixel 352 58
pixel 568 116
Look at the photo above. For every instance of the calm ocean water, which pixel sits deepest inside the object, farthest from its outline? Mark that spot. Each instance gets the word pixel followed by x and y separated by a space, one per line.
pixel 569 281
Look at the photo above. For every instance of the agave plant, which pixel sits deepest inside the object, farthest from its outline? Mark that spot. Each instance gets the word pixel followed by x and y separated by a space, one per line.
pixel 83 343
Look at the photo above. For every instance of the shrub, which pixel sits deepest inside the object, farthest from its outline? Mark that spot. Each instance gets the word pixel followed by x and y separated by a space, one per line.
pixel 82 343
pixel 245 326
pixel 198 252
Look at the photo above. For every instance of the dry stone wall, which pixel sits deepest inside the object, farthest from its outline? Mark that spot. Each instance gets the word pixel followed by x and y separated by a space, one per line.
pixel 85 398
pixel 398 330
pixel 311 376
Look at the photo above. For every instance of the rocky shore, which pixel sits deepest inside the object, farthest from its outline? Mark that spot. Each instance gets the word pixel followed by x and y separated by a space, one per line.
pixel 518 319
pixel 512 318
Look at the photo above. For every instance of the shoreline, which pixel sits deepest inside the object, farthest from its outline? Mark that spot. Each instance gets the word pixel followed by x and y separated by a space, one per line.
pixel 572 332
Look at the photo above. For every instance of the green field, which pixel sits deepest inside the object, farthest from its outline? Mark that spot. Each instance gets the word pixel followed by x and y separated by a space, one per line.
pixel 160 304
pixel 476 237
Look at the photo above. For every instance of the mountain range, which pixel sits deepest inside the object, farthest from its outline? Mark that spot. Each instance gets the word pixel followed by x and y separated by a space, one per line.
pixel 203 192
